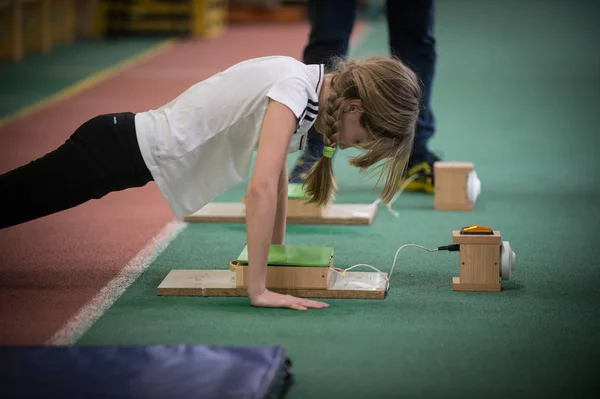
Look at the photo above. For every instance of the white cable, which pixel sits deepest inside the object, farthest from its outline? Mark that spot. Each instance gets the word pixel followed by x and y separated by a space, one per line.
pixel 407 245
pixel 386 276
pixel 395 197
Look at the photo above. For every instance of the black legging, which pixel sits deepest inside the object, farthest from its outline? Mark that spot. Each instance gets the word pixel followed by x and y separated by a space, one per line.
pixel 101 156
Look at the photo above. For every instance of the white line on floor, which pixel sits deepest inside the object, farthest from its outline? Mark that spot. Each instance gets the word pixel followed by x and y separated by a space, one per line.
pixel 91 312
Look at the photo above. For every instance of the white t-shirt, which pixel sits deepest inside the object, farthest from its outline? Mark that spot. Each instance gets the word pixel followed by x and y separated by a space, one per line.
pixel 202 143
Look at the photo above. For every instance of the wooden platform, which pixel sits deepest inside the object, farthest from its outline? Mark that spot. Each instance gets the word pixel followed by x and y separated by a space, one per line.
pixel 233 212
pixel 212 283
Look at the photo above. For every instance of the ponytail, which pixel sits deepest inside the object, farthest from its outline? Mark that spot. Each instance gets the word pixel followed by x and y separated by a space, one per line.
pixel 320 184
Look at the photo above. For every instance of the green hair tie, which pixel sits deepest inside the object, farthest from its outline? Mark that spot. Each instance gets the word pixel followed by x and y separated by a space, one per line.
pixel 328 152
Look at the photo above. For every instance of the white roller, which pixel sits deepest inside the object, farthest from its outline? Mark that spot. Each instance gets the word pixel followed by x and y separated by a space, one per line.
pixel 507 260
pixel 473 186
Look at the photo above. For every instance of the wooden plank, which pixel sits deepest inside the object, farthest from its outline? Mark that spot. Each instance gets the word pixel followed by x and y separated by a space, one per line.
pixel 213 283
pixel 346 214
pixel 220 212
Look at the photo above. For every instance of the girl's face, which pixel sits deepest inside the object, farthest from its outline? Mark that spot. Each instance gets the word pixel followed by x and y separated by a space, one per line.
pixel 352 133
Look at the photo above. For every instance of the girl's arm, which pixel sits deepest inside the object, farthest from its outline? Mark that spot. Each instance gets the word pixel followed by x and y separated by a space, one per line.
pixel 261 205
pixel 282 200
pixel 261 199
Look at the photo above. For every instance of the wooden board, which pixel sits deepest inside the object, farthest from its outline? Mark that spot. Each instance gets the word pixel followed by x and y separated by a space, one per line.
pixel 233 212
pixel 222 283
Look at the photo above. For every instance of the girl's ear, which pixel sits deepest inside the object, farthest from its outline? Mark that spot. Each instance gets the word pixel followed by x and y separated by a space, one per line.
pixel 355 106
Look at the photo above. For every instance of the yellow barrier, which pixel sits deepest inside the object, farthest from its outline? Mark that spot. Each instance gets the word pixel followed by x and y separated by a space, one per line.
pixel 195 18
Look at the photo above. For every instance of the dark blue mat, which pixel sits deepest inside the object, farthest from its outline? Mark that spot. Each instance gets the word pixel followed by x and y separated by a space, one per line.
pixel 154 371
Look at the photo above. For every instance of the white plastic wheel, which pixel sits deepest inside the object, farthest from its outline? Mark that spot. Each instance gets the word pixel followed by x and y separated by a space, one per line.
pixel 507 261
pixel 473 186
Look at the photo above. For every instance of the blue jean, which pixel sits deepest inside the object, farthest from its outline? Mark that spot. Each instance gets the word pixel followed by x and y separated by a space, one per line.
pixel 411 38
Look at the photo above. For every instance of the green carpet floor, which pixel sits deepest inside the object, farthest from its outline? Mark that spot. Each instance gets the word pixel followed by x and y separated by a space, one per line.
pixel 517 94
pixel 39 76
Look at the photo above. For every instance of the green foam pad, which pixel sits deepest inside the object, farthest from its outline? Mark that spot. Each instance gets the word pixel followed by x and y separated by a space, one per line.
pixel 294 255
pixel 296 191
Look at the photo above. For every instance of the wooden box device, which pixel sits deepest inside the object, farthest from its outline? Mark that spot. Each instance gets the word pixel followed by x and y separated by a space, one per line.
pixel 479 261
pixel 298 205
pixel 456 186
pixel 301 271
pixel 290 266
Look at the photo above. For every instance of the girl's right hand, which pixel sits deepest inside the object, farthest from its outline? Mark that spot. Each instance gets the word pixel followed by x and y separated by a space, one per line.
pixel 270 299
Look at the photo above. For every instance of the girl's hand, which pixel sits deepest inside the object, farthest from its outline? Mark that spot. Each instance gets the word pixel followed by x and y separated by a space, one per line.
pixel 270 299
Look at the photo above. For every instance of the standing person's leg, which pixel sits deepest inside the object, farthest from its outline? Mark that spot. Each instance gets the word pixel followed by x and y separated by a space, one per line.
pixel 412 39
pixel 331 23
pixel 101 156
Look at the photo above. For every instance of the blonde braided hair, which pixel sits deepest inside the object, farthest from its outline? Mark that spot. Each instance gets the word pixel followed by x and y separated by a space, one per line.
pixel 390 94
